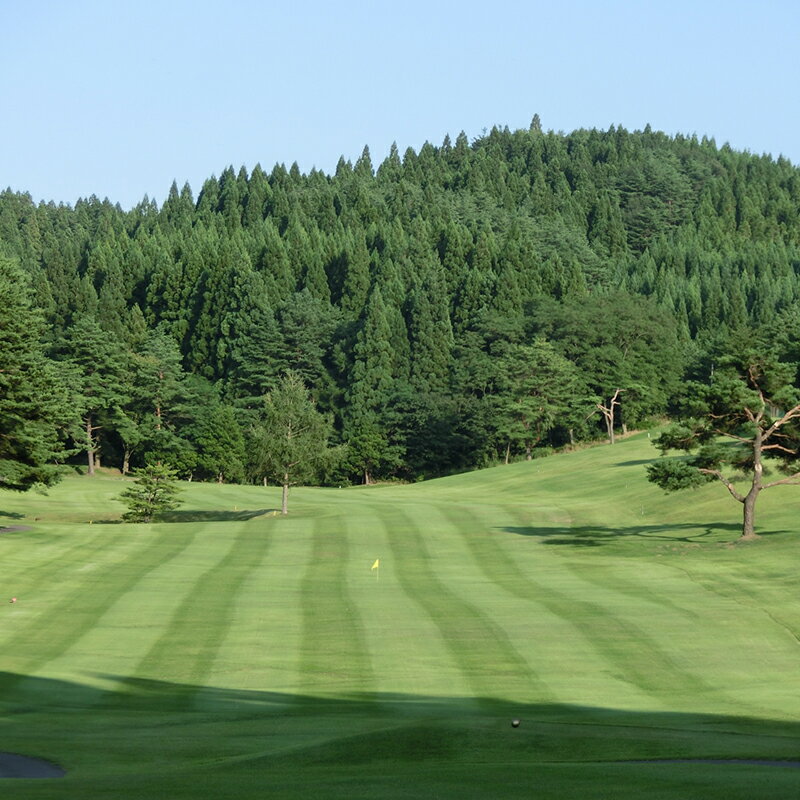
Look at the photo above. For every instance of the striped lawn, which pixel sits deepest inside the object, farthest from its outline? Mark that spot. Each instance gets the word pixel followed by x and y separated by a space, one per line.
pixel 234 653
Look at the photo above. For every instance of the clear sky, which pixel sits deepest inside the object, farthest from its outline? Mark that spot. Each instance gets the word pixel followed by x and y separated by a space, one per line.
pixel 118 99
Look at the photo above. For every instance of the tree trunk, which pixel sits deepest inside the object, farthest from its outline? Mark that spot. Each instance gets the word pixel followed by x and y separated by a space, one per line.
pixel 89 446
pixel 285 496
pixel 508 452
pixel 528 451
pixel 571 438
pixel 608 414
pixel 367 478
pixel 749 517
pixel 610 427
pixel 126 461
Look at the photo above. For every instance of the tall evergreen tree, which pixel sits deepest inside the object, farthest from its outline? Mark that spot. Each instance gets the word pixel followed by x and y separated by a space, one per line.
pixel 37 407
pixel 370 447
pixel 101 364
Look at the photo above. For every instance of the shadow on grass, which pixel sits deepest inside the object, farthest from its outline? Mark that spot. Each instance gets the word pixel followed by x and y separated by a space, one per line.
pixel 214 742
pixel 12 514
pixel 595 535
pixel 213 516
pixel 201 516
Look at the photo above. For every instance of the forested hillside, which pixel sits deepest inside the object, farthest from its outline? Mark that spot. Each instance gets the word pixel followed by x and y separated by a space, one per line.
pixel 446 308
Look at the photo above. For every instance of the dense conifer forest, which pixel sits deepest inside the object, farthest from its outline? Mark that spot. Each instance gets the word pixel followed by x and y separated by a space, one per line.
pixel 466 304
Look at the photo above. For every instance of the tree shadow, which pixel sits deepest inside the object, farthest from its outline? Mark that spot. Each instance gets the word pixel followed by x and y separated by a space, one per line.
pixel 208 741
pixel 638 462
pixel 213 516
pixel 12 514
pixel 596 535
pixel 199 516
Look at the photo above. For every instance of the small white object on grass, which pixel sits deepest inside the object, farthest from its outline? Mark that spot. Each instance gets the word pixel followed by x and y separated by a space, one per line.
pixel 515 723
pixel 13 600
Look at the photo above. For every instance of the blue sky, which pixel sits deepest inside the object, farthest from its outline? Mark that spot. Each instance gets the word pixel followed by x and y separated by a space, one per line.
pixel 119 99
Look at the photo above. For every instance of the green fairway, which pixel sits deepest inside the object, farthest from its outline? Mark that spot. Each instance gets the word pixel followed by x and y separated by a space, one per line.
pixel 233 653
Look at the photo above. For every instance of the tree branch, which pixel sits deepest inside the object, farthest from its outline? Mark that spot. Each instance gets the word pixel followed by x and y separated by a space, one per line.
pixel 791 479
pixel 792 413
pixel 732 436
pixel 778 447
pixel 730 487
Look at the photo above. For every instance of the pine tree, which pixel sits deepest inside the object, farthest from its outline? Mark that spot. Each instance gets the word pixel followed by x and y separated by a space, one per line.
pixel 370 448
pixel 101 364
pixel 37 406
pixel 153 493
pixel 431 334
pixel 214 433
pixel 752 401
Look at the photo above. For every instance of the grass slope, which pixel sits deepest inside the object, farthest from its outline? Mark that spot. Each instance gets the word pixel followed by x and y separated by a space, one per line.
pixel 233 653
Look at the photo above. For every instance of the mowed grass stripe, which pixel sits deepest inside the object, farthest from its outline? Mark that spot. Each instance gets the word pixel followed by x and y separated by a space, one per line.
pixel 410 659
pixel 761 623
pixel 632 655
pixel 40 575
pixel 41 558
pixel 190 641
pixel 694 644
pixel 79 610
pixel 43 566
pixel 478 644
pixel 334 658
pixel 134 624
pixel 550 640
pixel 260 652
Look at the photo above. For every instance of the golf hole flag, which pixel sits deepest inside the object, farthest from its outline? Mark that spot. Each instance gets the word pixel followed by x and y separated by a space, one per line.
pixel 377 564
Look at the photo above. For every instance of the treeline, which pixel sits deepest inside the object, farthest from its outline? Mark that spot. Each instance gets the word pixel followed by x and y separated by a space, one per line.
pixel 449 308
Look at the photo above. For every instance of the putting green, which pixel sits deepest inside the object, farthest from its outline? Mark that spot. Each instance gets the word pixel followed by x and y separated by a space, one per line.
pixel 229 652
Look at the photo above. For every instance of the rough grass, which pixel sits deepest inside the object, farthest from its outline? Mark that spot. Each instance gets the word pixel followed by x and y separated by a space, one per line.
pixel 228 652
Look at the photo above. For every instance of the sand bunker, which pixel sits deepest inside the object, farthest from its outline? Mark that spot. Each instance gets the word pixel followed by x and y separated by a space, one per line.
pixel 13 765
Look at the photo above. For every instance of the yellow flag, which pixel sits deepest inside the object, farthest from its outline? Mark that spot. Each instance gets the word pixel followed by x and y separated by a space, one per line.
pixel 377 564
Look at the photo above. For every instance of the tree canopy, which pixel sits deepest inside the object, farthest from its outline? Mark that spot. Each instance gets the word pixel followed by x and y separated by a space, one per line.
pixel 396 289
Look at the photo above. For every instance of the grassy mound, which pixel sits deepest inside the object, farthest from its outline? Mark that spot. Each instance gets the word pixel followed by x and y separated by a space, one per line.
pixel 228 652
